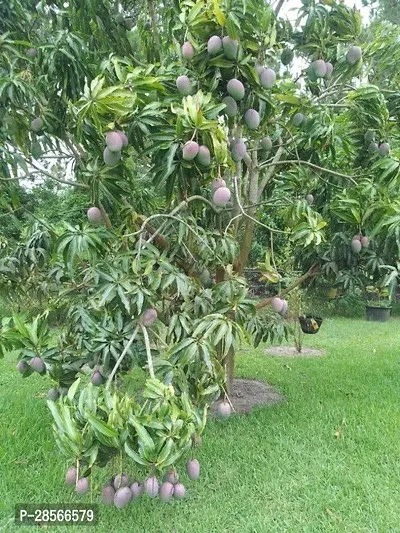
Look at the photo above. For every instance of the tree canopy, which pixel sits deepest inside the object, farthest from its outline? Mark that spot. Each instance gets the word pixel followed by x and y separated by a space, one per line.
pixel 188 126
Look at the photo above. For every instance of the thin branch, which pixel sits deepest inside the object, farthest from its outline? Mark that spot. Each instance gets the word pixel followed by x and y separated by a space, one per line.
pixel 312 272
pixel 105 216
pixel 329 90
pixel 49 175
pixel 63 156
pixel 293 140
pixel 259 204
pixel 148 351
pixel 137 62
pixel 178 208
pixel 190 229
pixel 162 242
pixel 205 201
pixel 247 160
pixel 154 29
pixel 77 146
pixel 279 7
pixel 143 228
pixel 114 370
pixel 159 338
pixel 311 165
pixel 227 398
pixel 250 217
pixel 271 239
pixel 13 179
pixel 342 106
pixel 231 221
pixel 76 155
pixel 38 219
pixel 270 172
pixel 170 215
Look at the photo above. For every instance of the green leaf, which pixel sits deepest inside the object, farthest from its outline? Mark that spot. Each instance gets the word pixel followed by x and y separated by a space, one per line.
pixel 73 388
pixel 101 426
pixel 135 456
pixel 165 452
pixel 142 433
pixel 56 415
pixel 218 13
pixel 288 98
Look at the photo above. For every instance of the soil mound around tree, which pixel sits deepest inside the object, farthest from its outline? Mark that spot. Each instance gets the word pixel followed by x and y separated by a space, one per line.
pixel 249 393
pixel 290 351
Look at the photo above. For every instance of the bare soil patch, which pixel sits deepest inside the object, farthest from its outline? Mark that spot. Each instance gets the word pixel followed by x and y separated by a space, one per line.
pixel 290 351
pixel 249 393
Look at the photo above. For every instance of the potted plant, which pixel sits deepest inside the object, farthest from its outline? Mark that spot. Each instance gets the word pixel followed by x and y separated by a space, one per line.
pixel 379 303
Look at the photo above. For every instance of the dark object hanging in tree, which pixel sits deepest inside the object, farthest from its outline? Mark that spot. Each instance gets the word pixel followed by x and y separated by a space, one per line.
pixel 310 324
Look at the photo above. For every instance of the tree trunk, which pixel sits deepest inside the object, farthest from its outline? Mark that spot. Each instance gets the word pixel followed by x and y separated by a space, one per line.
pixel 239 174
pixel 229 363
pixel 154 29
pixel 249 224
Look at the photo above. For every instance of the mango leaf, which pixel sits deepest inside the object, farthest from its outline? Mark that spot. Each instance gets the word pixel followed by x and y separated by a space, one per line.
pixel 288 98
pixel 101 426
pixel 72 390
pixel 135 456
pixel 165 452
pixel 143 434
pixel 218 13
pixel 56 415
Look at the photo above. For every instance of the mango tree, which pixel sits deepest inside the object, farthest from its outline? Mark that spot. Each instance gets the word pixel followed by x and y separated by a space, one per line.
pixel 231 117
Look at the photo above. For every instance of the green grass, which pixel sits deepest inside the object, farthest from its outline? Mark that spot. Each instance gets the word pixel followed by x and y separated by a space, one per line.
pixel 279 469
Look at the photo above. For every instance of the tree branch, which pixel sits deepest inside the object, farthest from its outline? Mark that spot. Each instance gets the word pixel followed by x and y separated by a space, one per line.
pixel 255 221
pixel 49 175
pixel 248 161
pixel 154 29
pixel 279 7
pixel 114 370
pixel 311 165
pixel 105 216
pixel 148 351
pixel 311 273
pixel 269 174
pixel 12 179
pixel 137 62
pixel 253 174
pixel 77 155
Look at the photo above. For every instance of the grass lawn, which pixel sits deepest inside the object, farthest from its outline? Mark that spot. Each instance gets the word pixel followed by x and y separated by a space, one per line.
pixel 326 460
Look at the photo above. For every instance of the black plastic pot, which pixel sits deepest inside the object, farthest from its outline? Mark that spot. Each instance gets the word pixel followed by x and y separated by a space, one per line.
pixel 310 324
pixel 378 314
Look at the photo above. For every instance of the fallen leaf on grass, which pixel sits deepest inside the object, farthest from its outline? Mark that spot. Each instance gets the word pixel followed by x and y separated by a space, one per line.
pixel 336 517
pixel 339 432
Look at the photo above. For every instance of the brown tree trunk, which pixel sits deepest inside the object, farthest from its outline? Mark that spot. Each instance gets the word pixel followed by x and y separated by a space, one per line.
pixel 229 363
pixel 154 29
pixel 252 165
pixel 238 174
